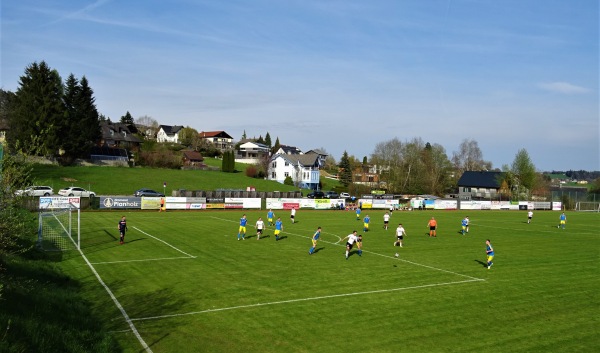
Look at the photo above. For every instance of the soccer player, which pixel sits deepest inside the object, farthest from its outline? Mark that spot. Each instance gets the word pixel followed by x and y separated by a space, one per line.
pixel 315 239
pixel 358 210
pixel 293 214
pixel 386 220
pixel 122 229
pixel 270 216
pixel 260 225
pixel 400 233
pixel 489 251
pixel 278 228
pixel 366 221
pixel 432 227
pixel 464 225
pixel 529 216
pixel 162 205
pixel 563 221
pixel 468 221
pixel 242 229
pixel 359 244
pixel 352 238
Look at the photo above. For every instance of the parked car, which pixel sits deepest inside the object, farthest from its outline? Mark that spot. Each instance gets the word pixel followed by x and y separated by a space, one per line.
pixel 332 195
pixel 147 192
pixel 344 195
pixel 35 191
pixel 316 195
pixel 76 191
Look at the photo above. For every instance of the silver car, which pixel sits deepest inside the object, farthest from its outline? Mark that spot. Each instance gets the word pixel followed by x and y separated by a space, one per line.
pixel 35 191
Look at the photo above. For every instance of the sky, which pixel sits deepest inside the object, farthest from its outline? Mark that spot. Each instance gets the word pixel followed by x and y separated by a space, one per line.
pixel 342 75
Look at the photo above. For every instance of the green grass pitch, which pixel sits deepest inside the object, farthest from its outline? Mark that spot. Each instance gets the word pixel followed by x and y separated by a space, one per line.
pixel 187 284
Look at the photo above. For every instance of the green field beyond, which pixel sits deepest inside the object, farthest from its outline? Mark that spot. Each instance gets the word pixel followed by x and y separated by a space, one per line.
pixel 187 284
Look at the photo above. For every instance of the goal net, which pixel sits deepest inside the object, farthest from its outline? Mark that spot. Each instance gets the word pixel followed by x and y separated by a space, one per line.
pixel 587 206
pixel 59 230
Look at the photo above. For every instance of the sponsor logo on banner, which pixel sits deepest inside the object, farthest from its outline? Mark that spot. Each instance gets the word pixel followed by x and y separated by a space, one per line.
pixel 58 202
pixel 215 205
pixel 120 202
pixel 197 206
pixel 215 199
pixel 151 203
pixel 290 205
pixel 234 205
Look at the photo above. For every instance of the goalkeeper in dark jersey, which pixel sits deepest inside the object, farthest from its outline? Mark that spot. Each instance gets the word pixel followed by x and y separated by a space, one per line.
pixel 122 229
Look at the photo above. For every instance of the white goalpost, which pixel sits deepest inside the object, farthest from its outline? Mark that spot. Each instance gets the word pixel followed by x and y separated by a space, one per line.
pixel 59 229
pixel 587 206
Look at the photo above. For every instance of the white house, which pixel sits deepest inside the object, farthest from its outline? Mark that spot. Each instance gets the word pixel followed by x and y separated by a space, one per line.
pixel 167 133
pixel 302 168
pixel 252 152
pixel 284 149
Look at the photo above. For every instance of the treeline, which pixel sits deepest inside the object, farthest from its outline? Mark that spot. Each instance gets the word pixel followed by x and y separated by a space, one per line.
pixel 50 118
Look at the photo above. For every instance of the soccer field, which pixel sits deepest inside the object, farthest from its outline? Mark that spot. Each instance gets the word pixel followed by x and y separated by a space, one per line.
pixel 182 282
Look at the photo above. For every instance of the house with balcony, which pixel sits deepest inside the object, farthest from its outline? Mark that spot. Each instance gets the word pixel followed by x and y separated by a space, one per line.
pixel 251 152
pixel 302 168
pixel 168 133
pixel 220 139
pixel 480 185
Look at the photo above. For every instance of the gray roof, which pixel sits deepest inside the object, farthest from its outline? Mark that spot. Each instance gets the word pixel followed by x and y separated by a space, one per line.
pixel 170 130
pixel 306 160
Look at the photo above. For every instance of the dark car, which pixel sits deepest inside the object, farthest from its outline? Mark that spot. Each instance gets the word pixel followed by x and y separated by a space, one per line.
pixel 332 195
pixel 148 193
pixel 316 195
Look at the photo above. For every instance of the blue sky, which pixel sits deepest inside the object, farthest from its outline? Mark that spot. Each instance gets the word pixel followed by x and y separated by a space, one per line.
pixel 341 75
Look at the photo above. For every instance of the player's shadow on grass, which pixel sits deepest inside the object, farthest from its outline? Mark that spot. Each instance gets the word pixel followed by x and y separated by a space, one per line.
pixel 317 250
pixel 283 237
pixel 134 240
pixel 481 263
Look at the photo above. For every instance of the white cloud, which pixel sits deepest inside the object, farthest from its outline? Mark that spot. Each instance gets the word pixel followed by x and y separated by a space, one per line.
pixel 563 87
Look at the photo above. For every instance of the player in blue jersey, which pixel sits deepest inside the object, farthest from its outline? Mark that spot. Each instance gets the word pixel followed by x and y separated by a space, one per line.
pixel 489 251
pixel 366 221
pixel 242 229
pixel 122 229
pixel 278 228
pixel 270 216
pixel 358 210
pixel 359 244
pixel 465 224
pixel 563 221
pixel 315 239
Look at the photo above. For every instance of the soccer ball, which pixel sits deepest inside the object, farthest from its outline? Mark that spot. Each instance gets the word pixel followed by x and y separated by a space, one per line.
pixel 397 255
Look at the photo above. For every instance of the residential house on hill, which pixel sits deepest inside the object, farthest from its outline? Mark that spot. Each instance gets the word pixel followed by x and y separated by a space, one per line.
pixel 283 149
pixel 220 139
pixel 168 133
pixel 252 152
pixel 366 175
pixel 302 168
pixel 119 135
pixel 321 156
pixel 480 185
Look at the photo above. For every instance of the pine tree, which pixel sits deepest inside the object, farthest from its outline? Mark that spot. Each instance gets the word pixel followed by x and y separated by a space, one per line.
pixel 345 170
pixel 276 146
pixel 268 140
pixel 37 115
pixel 127 119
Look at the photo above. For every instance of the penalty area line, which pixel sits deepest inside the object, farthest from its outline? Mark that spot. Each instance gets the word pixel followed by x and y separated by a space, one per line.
pixel 164 242
pixel 142 260
pixel 303 300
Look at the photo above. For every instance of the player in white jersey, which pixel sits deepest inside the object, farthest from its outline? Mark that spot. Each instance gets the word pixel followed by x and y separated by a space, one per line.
pixel 529 216
pixel 400 233
pixel 386 220
pixel 350 243
pixel 260 225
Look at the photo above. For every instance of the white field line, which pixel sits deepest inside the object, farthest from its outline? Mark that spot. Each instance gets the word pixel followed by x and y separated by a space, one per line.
pixel 117 303
pixel 378 254
pixel 537 230
pixel 143 260
pixel 303 300
pixel 164 242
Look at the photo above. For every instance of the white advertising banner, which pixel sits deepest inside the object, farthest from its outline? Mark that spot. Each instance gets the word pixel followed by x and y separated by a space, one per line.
pixel 446 204
pixel 58 202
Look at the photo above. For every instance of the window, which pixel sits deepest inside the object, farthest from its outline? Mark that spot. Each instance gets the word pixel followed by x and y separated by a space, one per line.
pixel 466 189
pixel 274 165
pixel 273 175
pixel 286 164
pixel 286 174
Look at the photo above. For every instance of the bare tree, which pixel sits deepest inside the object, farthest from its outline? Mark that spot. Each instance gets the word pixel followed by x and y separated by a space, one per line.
pixel 147 126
